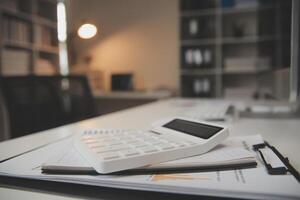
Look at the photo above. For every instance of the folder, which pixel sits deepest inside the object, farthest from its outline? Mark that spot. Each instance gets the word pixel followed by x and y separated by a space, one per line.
pixel 276 170
pixel 247 183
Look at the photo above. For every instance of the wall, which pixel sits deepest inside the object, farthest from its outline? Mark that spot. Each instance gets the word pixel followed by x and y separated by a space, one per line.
pixel 138 36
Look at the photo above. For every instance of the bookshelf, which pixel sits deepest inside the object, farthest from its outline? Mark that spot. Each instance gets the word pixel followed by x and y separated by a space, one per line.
pixel 232 46
pixel 28 40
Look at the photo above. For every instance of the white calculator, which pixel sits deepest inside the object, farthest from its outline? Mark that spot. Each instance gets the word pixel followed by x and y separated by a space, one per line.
pixel 110 151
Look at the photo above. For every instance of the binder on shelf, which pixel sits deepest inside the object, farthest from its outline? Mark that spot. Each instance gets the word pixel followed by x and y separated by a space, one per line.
pixel 198 27
pixel 198 85
pixel 197 57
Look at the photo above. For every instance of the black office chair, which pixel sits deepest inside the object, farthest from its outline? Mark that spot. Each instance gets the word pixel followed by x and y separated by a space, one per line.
pixel 36 103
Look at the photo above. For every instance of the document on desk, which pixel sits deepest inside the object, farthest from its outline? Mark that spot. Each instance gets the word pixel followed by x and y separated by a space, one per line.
pixel 226 156
pixel 252 183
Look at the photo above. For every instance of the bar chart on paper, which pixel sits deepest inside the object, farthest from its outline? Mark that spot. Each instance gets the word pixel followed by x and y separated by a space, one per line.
pixel 177 177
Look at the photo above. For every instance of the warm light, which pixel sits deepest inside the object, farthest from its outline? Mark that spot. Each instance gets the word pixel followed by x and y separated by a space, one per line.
pixel 62 38
pixel 87 31
pixel 61 22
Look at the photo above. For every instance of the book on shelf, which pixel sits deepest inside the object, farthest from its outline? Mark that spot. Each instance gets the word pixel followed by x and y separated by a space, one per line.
pixel 9 5
pixel 43 36
pixel 239 92
pixel 17 31
pixel 15 62
pixel 244 64
pixel 227 3
pixel 240 3
pixel 246 3
pixel 197 5
pixel 44 67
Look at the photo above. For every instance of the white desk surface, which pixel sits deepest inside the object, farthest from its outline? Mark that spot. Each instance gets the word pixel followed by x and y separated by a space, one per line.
pixel 284 134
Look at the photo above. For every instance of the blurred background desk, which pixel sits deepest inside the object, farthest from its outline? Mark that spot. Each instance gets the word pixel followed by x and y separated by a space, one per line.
pixel 114 101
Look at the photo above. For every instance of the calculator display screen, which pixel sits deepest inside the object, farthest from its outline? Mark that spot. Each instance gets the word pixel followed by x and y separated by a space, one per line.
pixel 203 131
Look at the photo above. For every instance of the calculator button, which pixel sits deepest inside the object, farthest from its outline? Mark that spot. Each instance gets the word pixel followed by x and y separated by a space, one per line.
pixel 120 134
pixel 109 141
pixel 90 141
pixel 87 137
pixel 149 149
pixel 172 140
pixel 96 145
pixel 190 142
pixel 108 156
pixel 116 143
pixel 134 133
pixel 88 132
pixel 179 144
pixel 165 146
pixel 112 148
pixel 116 131
pixel 160 143
pixel 143 136
pixel 140 144
pixel 152 140
pixel 101 138
pixel 126 138
pixel 132 141
pixel 155 142
pixel 130 152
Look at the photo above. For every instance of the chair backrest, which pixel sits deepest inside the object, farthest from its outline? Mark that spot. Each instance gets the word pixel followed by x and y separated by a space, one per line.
pixel 36 103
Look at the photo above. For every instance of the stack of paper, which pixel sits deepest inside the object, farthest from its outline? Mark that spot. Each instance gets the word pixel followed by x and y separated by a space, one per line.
pixel 222 155
pixel 251 183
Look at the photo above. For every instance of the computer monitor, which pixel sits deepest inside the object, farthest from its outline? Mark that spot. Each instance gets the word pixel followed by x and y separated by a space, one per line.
pixel 122 82
pixel 295 53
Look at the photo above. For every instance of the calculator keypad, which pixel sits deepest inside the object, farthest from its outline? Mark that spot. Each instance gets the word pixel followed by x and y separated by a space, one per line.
pixel 109 145
pixel 110 150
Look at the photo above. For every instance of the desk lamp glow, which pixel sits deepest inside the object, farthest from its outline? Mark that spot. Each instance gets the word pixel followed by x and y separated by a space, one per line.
pixel 87 31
